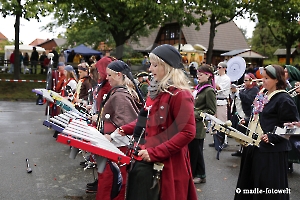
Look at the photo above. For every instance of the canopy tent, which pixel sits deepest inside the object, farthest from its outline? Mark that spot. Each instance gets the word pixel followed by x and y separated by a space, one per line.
pixel 187 48
pixel 200 47
pixel 84 51
pixel 193 53
pixel 23 48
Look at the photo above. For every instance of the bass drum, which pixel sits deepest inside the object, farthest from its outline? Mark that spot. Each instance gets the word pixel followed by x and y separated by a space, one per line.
pixel 236 67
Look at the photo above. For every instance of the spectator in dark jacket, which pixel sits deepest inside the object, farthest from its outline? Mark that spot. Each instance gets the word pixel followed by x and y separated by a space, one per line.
pixel 26 62
pixel 42 59
pixel 34 58
pixel 71 56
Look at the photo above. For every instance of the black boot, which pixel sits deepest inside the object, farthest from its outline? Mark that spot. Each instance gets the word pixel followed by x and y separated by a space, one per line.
pixel 238 153
pixel 211 145
pixel 92 189
pixel 90 185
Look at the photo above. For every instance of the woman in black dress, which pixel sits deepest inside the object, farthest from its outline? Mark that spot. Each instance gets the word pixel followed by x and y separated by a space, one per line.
pixel 263 171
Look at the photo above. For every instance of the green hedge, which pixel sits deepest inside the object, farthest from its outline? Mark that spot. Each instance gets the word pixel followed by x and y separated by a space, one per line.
pixel 135 61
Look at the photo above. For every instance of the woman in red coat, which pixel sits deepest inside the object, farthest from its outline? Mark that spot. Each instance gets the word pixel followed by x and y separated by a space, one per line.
pixel 169 128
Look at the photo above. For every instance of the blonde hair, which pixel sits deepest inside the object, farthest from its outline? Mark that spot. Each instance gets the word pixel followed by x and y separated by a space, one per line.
pixel 71 74
pixel 126 82
pixel 176 76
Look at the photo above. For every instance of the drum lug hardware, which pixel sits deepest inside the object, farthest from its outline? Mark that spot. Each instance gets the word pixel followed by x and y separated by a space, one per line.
pixel 69 141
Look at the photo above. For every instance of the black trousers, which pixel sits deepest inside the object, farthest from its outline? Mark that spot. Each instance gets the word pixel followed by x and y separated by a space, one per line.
pixel 196 158
pixel 140 181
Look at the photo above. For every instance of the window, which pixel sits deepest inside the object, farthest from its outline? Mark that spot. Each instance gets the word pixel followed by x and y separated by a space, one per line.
pixel 169 34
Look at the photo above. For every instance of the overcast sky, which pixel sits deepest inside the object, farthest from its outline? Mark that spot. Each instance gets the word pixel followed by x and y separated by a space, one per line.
pixel 30 30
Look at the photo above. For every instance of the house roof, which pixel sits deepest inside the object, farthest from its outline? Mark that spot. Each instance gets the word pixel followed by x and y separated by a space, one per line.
pixel 58 41
pixel 145 43
pixel 2 37
pixel 37 41
pixel 245 53
pixel 283 51
pixel 228 37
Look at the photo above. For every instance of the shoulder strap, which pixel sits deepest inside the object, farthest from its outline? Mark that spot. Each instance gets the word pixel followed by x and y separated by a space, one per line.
pixel 101 85
pixel 203 87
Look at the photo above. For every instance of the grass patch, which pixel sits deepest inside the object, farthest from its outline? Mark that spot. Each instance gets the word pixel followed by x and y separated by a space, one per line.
pixel 16 91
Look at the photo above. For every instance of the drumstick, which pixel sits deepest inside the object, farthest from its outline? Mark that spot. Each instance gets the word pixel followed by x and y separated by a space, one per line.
pixel 29 170
pixel 107 116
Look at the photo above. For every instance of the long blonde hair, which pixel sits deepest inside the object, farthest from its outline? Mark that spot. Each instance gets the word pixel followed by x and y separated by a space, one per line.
pixel 71 74
pixel 127 83
pixel 176 77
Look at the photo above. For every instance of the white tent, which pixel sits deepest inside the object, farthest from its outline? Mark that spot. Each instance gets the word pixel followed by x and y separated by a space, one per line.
pixel 193 53
pixel 200 47
pixel 23 48
pixel 187 48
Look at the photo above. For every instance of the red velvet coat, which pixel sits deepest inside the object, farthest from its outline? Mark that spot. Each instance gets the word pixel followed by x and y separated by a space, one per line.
pixel 169 129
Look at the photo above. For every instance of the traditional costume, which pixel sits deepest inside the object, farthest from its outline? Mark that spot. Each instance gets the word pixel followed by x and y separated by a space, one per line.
pixel 266 166
pixel 123 107
pixel 169 127
pixel 294 77
pixel 205 101
pixel 58 79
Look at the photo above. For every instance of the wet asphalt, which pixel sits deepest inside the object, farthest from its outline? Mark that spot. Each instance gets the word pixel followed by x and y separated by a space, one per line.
pixel 57 177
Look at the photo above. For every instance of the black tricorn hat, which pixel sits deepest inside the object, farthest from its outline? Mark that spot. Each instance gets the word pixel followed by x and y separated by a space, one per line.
pixel 141 74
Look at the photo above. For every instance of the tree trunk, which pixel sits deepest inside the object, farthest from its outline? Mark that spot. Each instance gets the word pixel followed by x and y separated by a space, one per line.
pixel 212 35
pixel 17 39
pixel 288 53
pixel 120 41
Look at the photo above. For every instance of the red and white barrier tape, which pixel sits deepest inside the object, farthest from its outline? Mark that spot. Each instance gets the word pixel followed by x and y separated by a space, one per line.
pixel 31 81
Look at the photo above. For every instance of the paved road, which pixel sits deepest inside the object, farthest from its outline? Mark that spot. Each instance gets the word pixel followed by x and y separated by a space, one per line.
pixel 56 176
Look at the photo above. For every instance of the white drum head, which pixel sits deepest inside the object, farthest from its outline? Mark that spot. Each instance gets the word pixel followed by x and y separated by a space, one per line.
pixel 236 67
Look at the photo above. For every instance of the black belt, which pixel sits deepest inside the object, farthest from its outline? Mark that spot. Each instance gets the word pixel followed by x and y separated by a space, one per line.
pixel 220 98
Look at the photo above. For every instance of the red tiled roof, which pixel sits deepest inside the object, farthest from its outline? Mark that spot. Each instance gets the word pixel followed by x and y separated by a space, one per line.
pixel 2 37
pixel 37 41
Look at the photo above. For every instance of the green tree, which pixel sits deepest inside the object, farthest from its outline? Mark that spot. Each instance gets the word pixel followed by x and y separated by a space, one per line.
pixel 122 19
pixel 88 34
pixel 3 44
pixel 28 10
pixel 219 12
pixel 263 41
pixel 281 17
